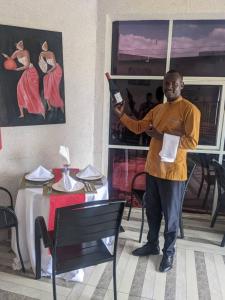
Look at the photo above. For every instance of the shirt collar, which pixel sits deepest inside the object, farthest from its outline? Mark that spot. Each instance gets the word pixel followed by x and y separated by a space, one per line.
pixel 175 101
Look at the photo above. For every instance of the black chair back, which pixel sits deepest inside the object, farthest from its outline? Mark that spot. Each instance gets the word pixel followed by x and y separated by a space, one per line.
pixel 87 222
pixel 220 207
pixel 220 177
pixel 190 170
pixel 7 192
pixel 8 219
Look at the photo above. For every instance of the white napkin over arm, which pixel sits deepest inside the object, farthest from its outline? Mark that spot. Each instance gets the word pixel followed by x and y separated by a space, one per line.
pixel 170 145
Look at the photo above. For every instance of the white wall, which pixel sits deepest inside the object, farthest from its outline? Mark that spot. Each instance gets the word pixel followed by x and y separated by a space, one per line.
pixel 26 147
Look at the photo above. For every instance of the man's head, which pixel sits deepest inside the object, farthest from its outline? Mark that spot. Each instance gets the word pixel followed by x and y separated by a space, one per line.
pixel 172 85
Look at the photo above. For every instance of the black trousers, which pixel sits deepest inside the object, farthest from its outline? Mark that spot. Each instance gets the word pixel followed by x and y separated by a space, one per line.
pixel 164 198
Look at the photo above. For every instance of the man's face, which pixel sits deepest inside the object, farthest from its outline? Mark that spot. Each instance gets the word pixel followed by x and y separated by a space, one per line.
pixel 172 86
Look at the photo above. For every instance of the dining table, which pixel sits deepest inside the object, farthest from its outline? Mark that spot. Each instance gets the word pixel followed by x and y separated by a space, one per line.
pixel 33 200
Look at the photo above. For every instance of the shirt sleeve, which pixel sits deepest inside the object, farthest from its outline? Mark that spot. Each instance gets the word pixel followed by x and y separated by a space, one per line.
pixel 137 126
pixel 191 128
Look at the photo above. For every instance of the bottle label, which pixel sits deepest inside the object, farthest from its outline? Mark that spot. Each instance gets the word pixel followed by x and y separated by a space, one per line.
pixel 118 98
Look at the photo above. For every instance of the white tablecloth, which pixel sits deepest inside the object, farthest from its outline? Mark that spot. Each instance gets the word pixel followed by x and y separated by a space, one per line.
pixel 31 203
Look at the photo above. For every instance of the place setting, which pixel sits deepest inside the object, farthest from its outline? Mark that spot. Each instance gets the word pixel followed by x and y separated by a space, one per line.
pixel 38 177
pixel 91 176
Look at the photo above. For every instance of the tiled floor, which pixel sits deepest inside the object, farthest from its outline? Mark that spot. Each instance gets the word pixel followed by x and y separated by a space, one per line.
pixel 198 273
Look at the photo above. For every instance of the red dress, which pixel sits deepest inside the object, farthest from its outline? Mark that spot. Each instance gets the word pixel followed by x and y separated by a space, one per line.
pixel 28 92
pixel 51 87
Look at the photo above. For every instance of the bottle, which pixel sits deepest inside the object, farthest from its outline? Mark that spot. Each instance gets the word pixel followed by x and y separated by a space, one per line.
pixel 114 91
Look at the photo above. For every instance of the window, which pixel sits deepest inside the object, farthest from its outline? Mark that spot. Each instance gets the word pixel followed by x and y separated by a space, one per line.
pixel 198 48
pixel 207 98
pixel 140 95
pixel 139 47
pixel 142 51
pixel 123 165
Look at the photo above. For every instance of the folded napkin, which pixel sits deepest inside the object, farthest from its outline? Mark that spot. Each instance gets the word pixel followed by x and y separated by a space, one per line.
pixel 67 183
pixel 40 173
pixel 89 172
pixel 64 152
pixel 168 152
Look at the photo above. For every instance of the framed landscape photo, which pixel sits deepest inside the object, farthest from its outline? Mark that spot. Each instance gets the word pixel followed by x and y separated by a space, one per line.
pixel 31 77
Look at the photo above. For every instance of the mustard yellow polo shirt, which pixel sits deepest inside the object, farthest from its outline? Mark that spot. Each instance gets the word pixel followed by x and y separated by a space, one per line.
pixel 179 117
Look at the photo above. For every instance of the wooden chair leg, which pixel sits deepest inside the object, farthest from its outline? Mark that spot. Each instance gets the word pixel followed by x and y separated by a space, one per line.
pixel 18 249
pixel 142 223
pixel 114 279
pixel 223 241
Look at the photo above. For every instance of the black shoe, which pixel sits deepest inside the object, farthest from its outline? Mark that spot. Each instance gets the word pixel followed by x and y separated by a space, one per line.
pixel 166 263
pixel 145 250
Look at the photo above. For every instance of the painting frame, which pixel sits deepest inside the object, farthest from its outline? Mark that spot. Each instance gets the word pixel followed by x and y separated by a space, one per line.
pixel 31 77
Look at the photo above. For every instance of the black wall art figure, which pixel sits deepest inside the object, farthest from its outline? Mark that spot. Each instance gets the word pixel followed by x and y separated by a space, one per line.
pixel 31 77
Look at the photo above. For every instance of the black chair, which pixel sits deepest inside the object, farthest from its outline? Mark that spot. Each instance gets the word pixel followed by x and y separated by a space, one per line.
pixel 190 170
pixel 76 241
pixel 208 176
pixel 139 195
pixel 220 178
pixel 7 192
pixel 8 220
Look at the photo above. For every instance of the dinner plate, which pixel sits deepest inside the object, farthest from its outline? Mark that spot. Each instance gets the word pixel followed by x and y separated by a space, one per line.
pixel 89 178
pixel 57 187
pixel 39 179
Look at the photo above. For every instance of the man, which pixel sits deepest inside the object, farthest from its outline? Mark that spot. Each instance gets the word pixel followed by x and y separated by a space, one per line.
pixel 146 106
pixel 165 182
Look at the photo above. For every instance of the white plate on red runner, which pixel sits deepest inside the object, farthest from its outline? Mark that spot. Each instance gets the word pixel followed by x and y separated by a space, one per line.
pixel 58 187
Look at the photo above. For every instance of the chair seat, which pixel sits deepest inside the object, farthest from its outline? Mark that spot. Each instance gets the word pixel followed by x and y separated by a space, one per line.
pixel 80 256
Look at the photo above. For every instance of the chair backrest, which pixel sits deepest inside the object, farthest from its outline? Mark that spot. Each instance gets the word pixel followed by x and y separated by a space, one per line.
pixel 220 176
pixel 9 195
pixel 206 165
pixel 86 222
pixel 190 170
pixel 7 217
pixel 139 181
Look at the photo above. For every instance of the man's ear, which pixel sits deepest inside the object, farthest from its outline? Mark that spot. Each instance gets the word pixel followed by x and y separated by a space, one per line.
pixel 182 85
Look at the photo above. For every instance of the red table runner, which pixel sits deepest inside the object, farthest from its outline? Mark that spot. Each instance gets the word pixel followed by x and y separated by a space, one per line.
pixel 62 200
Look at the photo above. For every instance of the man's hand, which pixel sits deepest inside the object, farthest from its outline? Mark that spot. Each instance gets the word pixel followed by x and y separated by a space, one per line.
pixel 119 109
pixel 152 132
